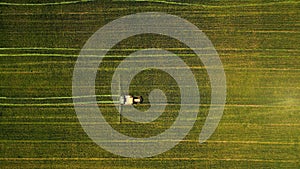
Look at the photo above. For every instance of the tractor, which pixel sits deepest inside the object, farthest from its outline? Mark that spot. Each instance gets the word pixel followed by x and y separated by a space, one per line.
pixel 130 100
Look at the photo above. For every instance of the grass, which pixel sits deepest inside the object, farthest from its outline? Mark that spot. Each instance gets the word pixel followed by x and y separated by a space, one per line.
pixel 258 44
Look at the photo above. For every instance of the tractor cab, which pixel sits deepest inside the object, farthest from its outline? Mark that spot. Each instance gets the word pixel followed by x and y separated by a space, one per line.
pixel 130 100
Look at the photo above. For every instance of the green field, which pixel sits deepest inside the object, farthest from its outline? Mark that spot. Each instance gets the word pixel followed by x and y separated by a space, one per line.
pixel 257 41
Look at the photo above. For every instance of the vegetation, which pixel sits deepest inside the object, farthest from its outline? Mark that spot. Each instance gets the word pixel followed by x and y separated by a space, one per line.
pixel 258 43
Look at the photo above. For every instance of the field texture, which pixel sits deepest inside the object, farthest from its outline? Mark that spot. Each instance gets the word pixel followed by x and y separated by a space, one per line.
pixel 258 43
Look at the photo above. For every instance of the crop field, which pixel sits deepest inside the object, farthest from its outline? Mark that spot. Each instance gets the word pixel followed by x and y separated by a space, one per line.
pixel 257 42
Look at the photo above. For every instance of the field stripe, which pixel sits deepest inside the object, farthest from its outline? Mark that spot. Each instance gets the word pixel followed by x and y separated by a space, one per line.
pixel 75 123
pixel 39 48
pixel 255 142
pixel 228 86
pixel 155 1
pixel 134 49
pixel 54 98
pixel 191 141
pixel 176 68
pixel 150 159
pixel 91 56
pixel 44 4
pixel 54 104
pixel 37 54
pixel 111 103
pixel 128 123
pixel 211 6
